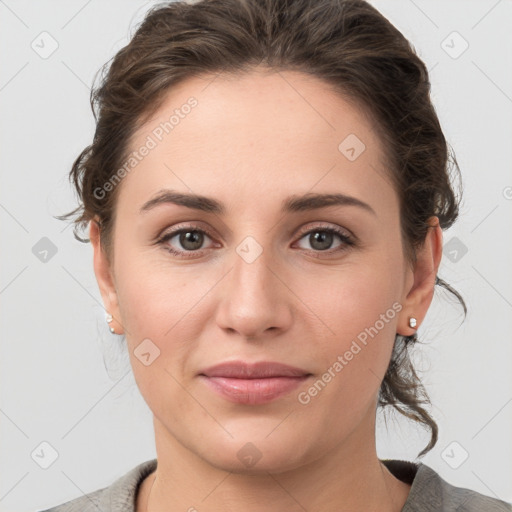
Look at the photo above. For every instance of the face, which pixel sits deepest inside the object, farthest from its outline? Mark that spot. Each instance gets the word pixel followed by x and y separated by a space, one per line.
pixel 263 276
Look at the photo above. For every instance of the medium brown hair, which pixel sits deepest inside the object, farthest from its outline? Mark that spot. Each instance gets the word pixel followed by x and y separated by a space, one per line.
pixel 347 44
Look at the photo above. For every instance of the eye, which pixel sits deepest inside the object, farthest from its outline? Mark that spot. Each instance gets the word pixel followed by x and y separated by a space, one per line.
pixel 190 238
pixel 321 239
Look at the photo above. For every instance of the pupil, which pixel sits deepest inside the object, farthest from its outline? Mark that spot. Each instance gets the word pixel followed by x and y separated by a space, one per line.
pixel 193 237
pixel 322 236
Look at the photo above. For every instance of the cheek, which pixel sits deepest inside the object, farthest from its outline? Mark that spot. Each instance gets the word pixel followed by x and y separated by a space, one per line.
pixel 160 308
pixel 353 297
pixel 152 295
pixel 358 309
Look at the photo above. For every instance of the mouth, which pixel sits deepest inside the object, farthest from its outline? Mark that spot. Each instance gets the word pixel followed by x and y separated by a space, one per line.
pixel 253 384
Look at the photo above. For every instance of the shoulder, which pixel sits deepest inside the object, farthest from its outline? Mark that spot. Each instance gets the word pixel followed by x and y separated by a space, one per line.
pixel 431 493
pixel 117 497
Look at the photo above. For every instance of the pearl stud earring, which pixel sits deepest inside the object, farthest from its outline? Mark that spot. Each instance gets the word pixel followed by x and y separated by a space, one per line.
pixel 109 319
pixel 412 322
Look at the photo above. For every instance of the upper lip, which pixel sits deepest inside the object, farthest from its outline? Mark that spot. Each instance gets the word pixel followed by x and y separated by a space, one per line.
pixel 245 370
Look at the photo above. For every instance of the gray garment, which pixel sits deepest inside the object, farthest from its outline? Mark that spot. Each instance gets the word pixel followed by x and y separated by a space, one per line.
pixel 428 493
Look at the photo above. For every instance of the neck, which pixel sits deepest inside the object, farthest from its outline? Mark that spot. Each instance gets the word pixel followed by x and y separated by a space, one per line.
pixel 348 477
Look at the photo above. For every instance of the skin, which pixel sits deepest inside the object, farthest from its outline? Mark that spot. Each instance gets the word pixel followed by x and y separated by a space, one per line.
pixel 252 141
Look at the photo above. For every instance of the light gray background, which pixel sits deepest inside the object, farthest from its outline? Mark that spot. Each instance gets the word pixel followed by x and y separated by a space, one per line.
pixel 55 386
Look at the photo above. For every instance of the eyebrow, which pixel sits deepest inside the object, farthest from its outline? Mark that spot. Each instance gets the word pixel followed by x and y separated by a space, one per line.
pixel 294 203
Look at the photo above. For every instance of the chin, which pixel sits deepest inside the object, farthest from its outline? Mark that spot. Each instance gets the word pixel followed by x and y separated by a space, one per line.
pixel 256 455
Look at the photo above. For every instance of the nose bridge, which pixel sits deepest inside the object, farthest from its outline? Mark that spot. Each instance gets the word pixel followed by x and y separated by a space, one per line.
pixel 252 265
pixel 253 276
pixel 255 300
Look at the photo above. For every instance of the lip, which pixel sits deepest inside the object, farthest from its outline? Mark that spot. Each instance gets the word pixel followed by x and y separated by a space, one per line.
pixel 253 383
pixel 258 370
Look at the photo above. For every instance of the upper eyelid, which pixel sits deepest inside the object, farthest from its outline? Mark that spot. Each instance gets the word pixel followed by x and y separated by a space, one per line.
pixel 307 228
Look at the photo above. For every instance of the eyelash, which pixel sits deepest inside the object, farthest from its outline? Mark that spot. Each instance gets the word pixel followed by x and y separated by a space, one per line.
pixel 347 240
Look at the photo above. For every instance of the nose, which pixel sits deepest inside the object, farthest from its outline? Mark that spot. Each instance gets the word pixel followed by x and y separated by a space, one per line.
pixel 255 301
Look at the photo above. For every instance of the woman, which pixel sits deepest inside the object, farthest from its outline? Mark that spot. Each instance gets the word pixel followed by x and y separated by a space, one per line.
pixel 265 194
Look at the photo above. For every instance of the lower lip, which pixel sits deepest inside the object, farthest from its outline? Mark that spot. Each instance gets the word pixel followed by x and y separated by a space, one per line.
pixel 253 391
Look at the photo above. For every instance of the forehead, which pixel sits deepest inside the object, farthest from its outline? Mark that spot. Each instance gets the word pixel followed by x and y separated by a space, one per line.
pixel 261 135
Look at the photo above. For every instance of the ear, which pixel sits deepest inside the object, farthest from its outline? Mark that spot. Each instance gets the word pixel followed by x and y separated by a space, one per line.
pixel 420 280
pixel 105 277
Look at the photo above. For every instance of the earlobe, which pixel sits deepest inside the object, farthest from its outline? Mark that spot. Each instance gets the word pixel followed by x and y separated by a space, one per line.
pixel 419 295
pixel 103 273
